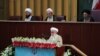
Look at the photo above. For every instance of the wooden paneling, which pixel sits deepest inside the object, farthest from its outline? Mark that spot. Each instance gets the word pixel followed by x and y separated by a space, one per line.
pixel 44 7
pixel 11 7
pixel 37 7
pixel 3 9
pixel 18 8
pixel 24 6
pixel 31 5
pixel 67 8
pixel 74 10
pixel 59 7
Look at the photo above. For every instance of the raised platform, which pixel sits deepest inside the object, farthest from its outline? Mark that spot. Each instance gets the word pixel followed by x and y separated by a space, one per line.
pixel 85 36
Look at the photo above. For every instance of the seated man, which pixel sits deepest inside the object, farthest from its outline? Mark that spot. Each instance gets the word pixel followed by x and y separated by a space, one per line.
pixel 28 16
pixel 87 16
pixel 55 38
pixel 50 17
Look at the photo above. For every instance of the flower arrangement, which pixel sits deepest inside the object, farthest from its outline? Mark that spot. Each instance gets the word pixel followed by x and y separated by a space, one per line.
pixel 67 53
pixel 29 42
pixel 32 42
pixel 27 39
pixel 8 51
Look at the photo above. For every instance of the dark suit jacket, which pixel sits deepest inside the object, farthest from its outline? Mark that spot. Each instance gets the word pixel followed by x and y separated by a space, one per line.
pixel 33 19
pixel 91 19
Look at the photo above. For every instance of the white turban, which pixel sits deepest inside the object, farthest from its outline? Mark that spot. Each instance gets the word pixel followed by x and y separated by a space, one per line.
pixel 28 10
pixel 54 29
pixel 49 10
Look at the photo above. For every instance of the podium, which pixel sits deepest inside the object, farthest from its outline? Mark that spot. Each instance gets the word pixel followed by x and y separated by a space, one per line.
pixel 25 51
pixel 34 49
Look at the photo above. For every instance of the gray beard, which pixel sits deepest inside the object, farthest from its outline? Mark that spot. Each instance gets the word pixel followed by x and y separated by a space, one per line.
pixel 49 16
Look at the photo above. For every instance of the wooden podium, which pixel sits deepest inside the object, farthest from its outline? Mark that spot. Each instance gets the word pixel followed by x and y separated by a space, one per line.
pixel 26 51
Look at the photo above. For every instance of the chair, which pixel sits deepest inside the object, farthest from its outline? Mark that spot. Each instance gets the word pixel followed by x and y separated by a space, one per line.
pixel 37 18
pixel 60 18
pixel 96 15
pixel 15 18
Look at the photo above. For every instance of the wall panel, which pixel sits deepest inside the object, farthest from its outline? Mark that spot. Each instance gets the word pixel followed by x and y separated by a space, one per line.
pixel 44 7
pixel 67 8
pixel 11 7
pixel 37 7
pixel 24 5
pixel 18 7
pixel 31 5
pixel 74 10
pixel 59 7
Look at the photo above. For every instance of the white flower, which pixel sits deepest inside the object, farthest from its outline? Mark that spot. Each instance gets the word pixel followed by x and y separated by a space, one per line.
pixel 44 40
pixel 10 53
pixel 68 53
pixel 3 54
pixel 24 39
pixel 38 40
pixel 17 39
pixel 31 40
pixel 7 51
pixel 12 39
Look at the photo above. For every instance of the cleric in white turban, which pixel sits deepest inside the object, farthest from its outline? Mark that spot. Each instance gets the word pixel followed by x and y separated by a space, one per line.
pixel 55 38
pixel 28 12
pixel 51 17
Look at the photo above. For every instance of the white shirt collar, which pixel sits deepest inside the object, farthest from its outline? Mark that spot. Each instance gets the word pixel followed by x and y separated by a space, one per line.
pixel 28 19
pixel 50 19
